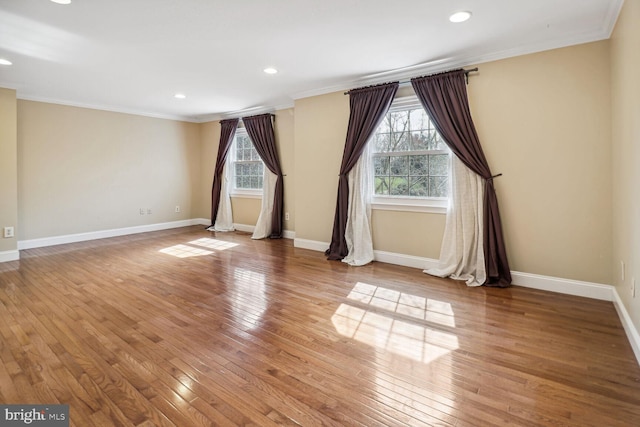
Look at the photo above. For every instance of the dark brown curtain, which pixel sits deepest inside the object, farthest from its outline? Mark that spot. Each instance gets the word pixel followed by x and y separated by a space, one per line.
pixel 227 131
pixel 444 97
pixel 368 107
pixel 260 130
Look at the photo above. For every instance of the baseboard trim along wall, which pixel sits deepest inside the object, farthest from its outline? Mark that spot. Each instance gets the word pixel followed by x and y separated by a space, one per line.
pixel 6 256
pixel 627 324
pixel 527 280
pixel 102 234
pixel 534 281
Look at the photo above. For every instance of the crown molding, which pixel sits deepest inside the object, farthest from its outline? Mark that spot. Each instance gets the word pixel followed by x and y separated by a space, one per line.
pixel 468 59
pixel 108 108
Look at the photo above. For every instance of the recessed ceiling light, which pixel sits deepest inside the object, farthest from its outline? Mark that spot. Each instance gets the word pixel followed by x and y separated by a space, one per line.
pixel 460 16
pixel 270 70
pixel 61 1
pixel 180 95
pixel 5 62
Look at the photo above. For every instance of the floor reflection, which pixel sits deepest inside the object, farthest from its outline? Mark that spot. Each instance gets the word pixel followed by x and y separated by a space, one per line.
pixel 248 296
pixel 389 326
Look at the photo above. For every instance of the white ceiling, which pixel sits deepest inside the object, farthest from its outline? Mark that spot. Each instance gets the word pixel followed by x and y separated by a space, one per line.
pixel 134 55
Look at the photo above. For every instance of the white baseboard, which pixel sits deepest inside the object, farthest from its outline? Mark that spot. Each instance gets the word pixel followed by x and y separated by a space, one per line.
pixel 244 227
pixel 201 221
pixel 405 260
pixel 563 286
pixel 287 234
pixel 6 256
pixel 313 245
pixel 103 234
pixel 627 324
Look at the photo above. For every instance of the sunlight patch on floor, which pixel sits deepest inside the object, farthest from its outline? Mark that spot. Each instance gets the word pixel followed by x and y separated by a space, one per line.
pixel 184 251
pixel 404 337
pixel 428 309
pixel 196 248
pixel 218 245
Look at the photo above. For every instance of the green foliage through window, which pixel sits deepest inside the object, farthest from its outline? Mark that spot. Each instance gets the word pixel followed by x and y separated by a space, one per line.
pixel 410 158
pixel 247 165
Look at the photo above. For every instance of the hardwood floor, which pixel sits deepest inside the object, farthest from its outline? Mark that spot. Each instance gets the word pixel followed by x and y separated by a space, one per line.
pixel 190 328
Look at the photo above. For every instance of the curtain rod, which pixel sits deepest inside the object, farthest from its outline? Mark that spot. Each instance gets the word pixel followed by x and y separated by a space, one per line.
pixel 406 82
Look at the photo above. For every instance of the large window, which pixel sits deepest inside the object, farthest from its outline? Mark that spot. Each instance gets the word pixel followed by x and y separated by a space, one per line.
pixel 410 159
pixel 246 165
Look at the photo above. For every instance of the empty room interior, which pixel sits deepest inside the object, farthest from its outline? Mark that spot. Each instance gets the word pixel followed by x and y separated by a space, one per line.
pixel 341 213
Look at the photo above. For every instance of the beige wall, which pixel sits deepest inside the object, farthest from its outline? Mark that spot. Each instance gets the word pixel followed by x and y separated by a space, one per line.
pixel 8 170
pixel 284 130
pixel 320 130
pixel 625 63
pixel 83 170
pixel 210 138
pixel 544 123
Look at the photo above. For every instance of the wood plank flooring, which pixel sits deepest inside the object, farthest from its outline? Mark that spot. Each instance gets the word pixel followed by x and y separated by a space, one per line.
pixel 190 328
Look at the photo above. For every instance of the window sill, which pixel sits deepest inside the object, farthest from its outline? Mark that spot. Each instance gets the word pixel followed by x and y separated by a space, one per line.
pixel 246 194
pixel 437 206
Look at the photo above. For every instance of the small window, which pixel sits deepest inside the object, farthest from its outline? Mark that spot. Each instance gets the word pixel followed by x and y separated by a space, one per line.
pixel 246 165
pixel 411 162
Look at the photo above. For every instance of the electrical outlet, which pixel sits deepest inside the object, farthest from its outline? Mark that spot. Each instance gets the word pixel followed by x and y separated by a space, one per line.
pixel 177 209
pixel 148 211
pixel 286 216
pixel 8 232
pixel 141 211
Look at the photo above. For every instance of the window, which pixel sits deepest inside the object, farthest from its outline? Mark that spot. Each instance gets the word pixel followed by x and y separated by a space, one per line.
pixel 411 162
pixel 246 166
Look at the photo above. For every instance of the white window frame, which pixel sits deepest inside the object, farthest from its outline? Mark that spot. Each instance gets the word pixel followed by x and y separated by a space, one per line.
pixel 240 192
pixel 409 204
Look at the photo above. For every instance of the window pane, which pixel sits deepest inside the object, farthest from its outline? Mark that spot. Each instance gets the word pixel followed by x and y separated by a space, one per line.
pixel 420 141
pixel 422 174
pixel 398 186
pixel 418 186
pixel 438 186
pixel 399 121
pixel 399 142
pixel 253 182
pixel 260 184
pixel 381 143
pixel 419 119
pixel 238 182
pixel 418 165
pixel 382 186
pixel 438 142
pixel 398 165
pixel 254 154
pixel 439 165
pixel 381 166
